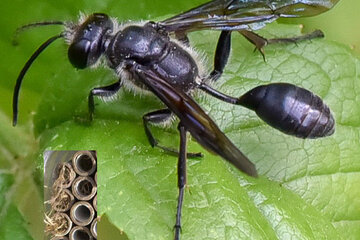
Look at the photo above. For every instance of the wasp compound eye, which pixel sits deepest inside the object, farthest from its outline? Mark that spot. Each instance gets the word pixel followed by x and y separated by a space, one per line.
pixel 78 53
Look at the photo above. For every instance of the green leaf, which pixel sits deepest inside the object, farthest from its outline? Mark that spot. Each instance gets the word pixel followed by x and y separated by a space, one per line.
pixel 307 189
pixel 137 184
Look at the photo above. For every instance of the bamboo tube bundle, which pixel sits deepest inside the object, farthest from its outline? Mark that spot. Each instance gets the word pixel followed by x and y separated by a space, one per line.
pixel 80 233
pixel 59 238
pixel 93 228
pixel 84 188
pixel 73 214
pixel 63 201
pixel 84 163
pixel 82 213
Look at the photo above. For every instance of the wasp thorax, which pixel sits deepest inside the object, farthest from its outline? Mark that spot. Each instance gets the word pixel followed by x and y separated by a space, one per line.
pixel 88 43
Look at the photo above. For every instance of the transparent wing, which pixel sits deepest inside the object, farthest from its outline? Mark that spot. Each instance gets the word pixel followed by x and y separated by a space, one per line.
pixel 243 14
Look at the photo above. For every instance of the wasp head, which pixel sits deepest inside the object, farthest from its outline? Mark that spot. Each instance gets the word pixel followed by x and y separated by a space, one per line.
pixel 89 39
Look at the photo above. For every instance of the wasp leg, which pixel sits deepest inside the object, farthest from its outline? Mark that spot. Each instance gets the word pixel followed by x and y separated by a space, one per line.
pixel 222 53
pixel 158 117
pixel 257 40
pixel 308 36
pixel 181 179
pixel 183 38
pixel 106 91
pixel 260 42
pixel 219 95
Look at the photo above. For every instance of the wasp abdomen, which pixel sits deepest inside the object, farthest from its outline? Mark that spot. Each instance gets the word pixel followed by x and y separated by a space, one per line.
pixel 290 109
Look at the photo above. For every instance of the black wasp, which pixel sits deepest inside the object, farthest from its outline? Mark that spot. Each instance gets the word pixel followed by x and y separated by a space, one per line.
pixel 156 57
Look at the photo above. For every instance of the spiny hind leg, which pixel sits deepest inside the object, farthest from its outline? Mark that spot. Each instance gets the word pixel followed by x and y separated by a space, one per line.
pixel 260 42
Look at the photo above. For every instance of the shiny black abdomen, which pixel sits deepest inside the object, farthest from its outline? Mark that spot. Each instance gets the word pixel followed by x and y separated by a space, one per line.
pixel 291 109
pixel 147 47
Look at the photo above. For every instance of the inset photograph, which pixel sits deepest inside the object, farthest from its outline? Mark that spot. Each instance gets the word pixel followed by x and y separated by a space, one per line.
pixel 70 195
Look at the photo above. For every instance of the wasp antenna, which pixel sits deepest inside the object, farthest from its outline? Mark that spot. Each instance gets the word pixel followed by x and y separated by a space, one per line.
pixel 23 72
pixel 33 25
